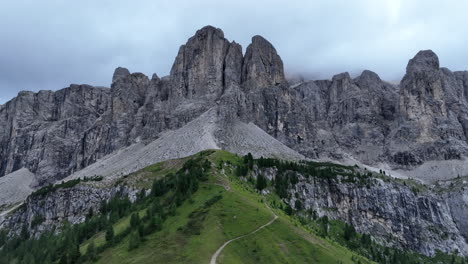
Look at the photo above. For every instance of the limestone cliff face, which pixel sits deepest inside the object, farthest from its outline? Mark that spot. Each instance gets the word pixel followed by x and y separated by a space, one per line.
pixel 432 113
pixel 347 116
pixel 425 118
pixel 392 212
pixel 202 64
pixel 262 66
pixel 56 133
pixel 43 131
pixel 67 204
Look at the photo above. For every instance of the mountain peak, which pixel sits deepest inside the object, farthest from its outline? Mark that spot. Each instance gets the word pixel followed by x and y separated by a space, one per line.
pixel 367 74
pixel 368 79
pixel 198 68
pixel 259 40
pixel 263 66
pixel 119 73
pixel 341 76
pixel 425 60
pixel 210 30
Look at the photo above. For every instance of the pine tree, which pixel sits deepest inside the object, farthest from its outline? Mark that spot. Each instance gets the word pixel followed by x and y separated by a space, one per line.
pixel 110 233
pixel 91 251
pixel 141 230
pixel 74 252
pixel 298 205
pixel 261 182
pixel 324 221
pixel 158 187
pixel 349 232
pixel 134 241
pixel 134 220
pixel 24 235
pixel 90 213
pixel 63 259
pixel 141 195
pixel 288 210
pixel 29 259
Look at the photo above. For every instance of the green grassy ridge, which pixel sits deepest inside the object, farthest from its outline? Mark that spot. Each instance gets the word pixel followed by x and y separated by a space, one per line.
pixel 224 206
pixel 240 211
pixel 284 246
pixel 276 243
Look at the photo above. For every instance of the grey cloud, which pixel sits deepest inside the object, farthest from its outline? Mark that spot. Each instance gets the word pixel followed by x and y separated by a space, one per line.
pixel 50 44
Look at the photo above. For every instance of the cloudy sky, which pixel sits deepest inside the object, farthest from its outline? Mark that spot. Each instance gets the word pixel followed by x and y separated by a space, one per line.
pixel 51 44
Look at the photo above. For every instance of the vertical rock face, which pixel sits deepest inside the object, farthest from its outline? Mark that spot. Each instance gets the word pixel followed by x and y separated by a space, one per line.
pixel 262 66
pixel 462 79
pixel 42 131
pixel 346 116
pixel 423 61
pixel 421 90
pixel 389 210
pixel 65 204
pixel 128 96
pixel 233 66
pixel 432 113
pixel 232 103
pixel 120 73
pixel 268 102
pixel 199 66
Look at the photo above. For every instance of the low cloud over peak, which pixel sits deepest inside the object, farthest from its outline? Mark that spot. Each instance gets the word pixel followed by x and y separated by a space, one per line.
pixel 48 45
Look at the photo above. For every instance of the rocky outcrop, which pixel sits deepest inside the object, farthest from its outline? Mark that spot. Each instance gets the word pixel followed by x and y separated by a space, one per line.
pixel 262 66
pixel 43 131
pixel 432 114
pixel 49 211
pixel 202 63
pixel 396 214
pixel 120 73
pixel 347 117
pixel 374 122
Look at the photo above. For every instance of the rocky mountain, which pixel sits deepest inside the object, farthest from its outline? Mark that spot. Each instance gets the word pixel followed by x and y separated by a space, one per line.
pixel 217 97
pixel 363 120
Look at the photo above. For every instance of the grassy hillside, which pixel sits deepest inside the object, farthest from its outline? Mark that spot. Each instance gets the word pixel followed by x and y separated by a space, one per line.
pixel 195 232
pixel 187 209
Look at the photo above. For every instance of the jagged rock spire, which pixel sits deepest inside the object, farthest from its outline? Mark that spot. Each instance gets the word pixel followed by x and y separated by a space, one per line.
pixel 262 66
pixel 423 61
pixel 200 64
pixel 368 79
pixel 422 93
pixel 120 73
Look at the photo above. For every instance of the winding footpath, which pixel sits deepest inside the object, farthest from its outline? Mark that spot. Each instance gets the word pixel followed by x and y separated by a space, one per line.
pixel 216 254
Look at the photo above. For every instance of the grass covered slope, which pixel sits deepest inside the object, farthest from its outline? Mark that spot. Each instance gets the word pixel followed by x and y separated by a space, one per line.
pixel 222 208
pixel 207 208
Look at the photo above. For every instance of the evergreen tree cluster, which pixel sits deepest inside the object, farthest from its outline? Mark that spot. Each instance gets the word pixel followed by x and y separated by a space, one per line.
pixel 318 170
pixel 53 187
pixel 147 215
pixel 261 182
